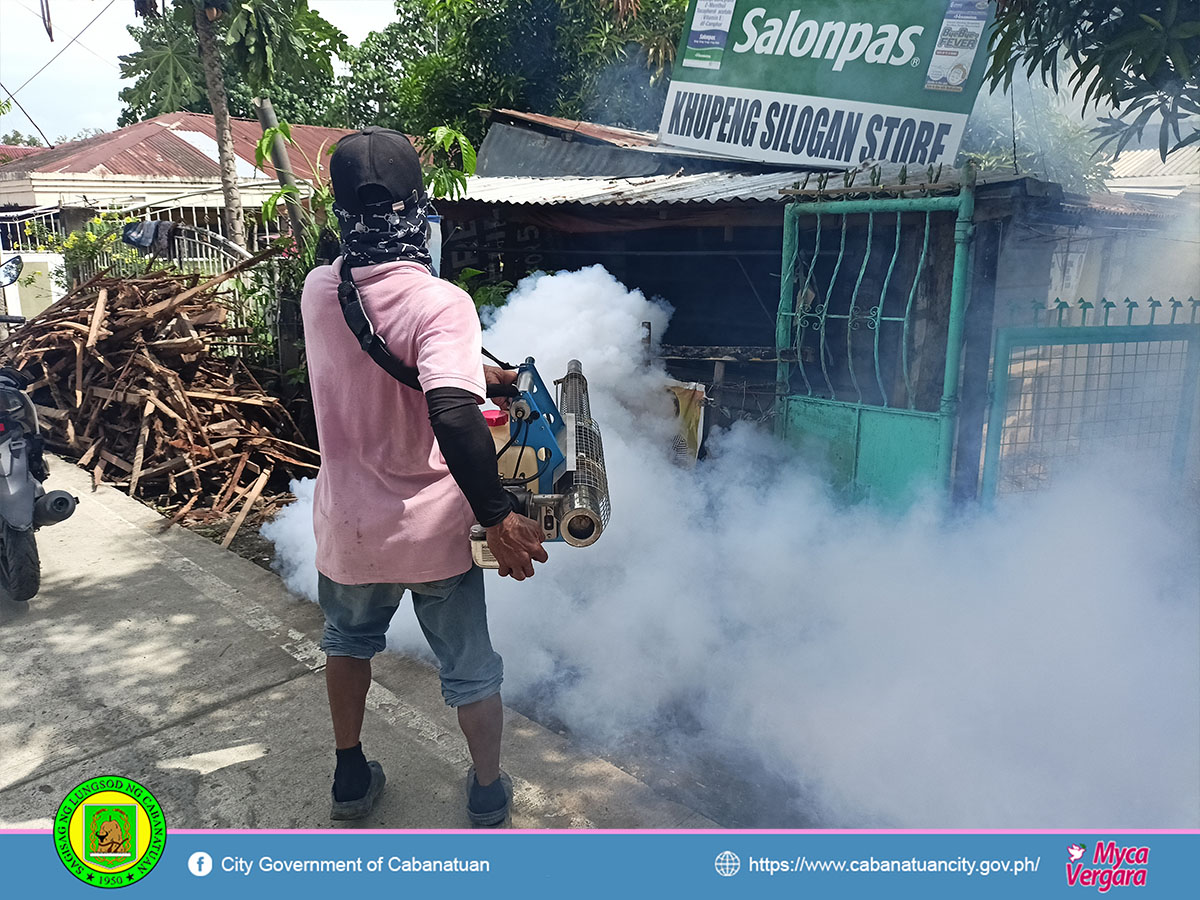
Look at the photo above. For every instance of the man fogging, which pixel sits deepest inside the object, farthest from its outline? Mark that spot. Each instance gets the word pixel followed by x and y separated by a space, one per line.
pixel 408 464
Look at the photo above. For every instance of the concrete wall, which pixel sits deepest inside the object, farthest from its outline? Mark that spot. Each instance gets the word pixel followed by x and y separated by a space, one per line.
pixel 36 289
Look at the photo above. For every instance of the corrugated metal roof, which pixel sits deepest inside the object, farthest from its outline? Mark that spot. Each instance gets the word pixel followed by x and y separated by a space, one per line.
pixel 8 152
pixel 721 187
pixel 153 149
pixel 609 134
pixel 312 143
pixel 142 149
pixel 1147 164
pixel 707 187
pixel 1116 205
pixel 699 187
pixel 516 151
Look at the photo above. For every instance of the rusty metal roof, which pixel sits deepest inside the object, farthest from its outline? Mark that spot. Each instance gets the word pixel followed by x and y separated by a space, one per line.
pixel 8 152
pixel 161 147
pixel 608 134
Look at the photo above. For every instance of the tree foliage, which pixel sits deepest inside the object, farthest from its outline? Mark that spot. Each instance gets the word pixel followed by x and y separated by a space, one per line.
pixel 166 67
pixel 266 37
pixel 436 64
pixel 1140 56
pixel 17 139
pixel 1027 130
pixel 451 160
pixel 444 59
pixel 278 48
pixel 82 134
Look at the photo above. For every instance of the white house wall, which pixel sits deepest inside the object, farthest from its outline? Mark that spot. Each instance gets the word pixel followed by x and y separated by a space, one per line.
pixel 25 190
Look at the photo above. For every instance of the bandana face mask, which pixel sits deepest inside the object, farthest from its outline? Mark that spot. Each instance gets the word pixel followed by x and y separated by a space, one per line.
pixel 386 235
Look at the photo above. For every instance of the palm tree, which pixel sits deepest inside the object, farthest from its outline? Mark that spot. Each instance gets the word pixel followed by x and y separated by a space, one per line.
pixel 214 80
pixel 262 36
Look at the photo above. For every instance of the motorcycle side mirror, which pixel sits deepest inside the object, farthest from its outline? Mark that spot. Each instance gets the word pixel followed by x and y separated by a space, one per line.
pixel 11 271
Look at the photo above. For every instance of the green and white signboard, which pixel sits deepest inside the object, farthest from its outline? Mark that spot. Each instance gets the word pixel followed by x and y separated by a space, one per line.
pixel 830 83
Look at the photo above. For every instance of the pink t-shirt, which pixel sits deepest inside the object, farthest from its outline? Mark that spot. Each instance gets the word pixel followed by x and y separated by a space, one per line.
pixel 387 508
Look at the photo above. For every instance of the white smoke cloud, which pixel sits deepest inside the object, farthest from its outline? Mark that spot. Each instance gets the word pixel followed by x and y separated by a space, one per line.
pixel 1034 666
pixel 295 544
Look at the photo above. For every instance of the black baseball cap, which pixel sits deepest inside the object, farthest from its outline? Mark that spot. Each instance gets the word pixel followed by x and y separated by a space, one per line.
pixel 372 167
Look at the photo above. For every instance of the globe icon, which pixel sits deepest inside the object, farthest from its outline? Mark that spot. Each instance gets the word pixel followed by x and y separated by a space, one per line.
pixel 727 863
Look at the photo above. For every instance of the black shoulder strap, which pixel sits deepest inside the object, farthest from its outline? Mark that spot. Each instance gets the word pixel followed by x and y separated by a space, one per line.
pixel 376 347
pixel 364 332
pixel 497 360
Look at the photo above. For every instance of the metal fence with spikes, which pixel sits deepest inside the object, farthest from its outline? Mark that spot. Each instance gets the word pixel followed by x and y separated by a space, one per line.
pixel 875 380
pixel 1089 379
pixel 1108 312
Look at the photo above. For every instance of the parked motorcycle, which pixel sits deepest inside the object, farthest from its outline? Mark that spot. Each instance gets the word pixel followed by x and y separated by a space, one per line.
pixel 25 506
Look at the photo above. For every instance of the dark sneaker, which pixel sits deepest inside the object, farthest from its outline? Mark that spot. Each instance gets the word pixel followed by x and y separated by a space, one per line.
pixel 488 808
pixel 356 809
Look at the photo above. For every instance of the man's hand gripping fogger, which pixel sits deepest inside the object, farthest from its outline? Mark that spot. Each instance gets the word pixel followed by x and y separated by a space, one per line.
pixel 516 542
pixel 504 379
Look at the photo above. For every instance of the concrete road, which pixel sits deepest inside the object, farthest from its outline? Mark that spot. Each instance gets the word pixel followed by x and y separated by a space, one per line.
pixel 163 658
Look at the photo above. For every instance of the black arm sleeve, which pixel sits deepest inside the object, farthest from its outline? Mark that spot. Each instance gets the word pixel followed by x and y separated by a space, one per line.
pixel 466 443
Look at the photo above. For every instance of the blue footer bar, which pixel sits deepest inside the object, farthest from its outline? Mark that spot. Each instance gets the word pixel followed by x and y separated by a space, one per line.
pixel 621 865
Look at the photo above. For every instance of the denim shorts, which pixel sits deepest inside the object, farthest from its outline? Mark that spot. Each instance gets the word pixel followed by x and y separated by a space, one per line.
pixel 451 613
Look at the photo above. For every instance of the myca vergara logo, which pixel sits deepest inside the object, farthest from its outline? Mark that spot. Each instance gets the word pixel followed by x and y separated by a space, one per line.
pixel 1110 866
pixel 110 831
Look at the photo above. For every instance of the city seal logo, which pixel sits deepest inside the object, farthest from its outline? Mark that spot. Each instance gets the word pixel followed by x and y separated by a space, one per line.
pixel 109 831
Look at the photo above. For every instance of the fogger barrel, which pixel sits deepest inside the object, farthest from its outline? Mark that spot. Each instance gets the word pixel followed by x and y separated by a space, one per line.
pixel 568 494
pixel 584 508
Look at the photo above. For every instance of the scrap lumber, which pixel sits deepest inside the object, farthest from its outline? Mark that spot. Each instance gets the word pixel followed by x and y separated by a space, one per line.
pixel 97 318
pixel 139 455
pixel 250 498
pixel 183 511
pixel 136 378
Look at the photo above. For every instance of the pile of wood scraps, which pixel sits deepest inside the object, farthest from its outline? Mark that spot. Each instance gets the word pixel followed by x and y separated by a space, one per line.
pixel 137 379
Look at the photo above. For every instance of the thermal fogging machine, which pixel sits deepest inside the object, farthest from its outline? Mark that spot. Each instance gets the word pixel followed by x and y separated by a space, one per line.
pixel 550 458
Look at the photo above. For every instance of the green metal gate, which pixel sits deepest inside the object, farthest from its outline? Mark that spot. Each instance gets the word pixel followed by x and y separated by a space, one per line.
pixel 869 337
pixel 1064 392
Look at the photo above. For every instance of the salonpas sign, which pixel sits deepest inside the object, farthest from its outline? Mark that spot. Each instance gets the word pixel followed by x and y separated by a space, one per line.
pixel 827 82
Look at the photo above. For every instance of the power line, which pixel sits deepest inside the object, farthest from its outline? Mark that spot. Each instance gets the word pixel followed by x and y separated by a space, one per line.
pixel 49 143
pixel 37 15
pixel 62 51
pixel 1037 128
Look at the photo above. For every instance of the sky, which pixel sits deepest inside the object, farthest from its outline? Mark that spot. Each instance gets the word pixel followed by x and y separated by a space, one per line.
pixel 79 89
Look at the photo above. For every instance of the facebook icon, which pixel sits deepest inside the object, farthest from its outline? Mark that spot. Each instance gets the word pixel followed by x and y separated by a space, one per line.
pixel 200 864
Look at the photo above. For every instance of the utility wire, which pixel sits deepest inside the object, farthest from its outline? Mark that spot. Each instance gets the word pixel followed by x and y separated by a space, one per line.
pixel 1048 171
pixel 49 143
pixel 1012 106
pixel 62 51
pixel 37 15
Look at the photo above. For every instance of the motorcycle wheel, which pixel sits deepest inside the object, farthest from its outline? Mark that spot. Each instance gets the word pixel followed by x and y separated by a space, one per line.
pixel 20 567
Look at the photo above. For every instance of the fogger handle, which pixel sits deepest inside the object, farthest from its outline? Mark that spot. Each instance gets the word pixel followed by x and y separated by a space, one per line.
pixel 501 390
pixel 481 553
